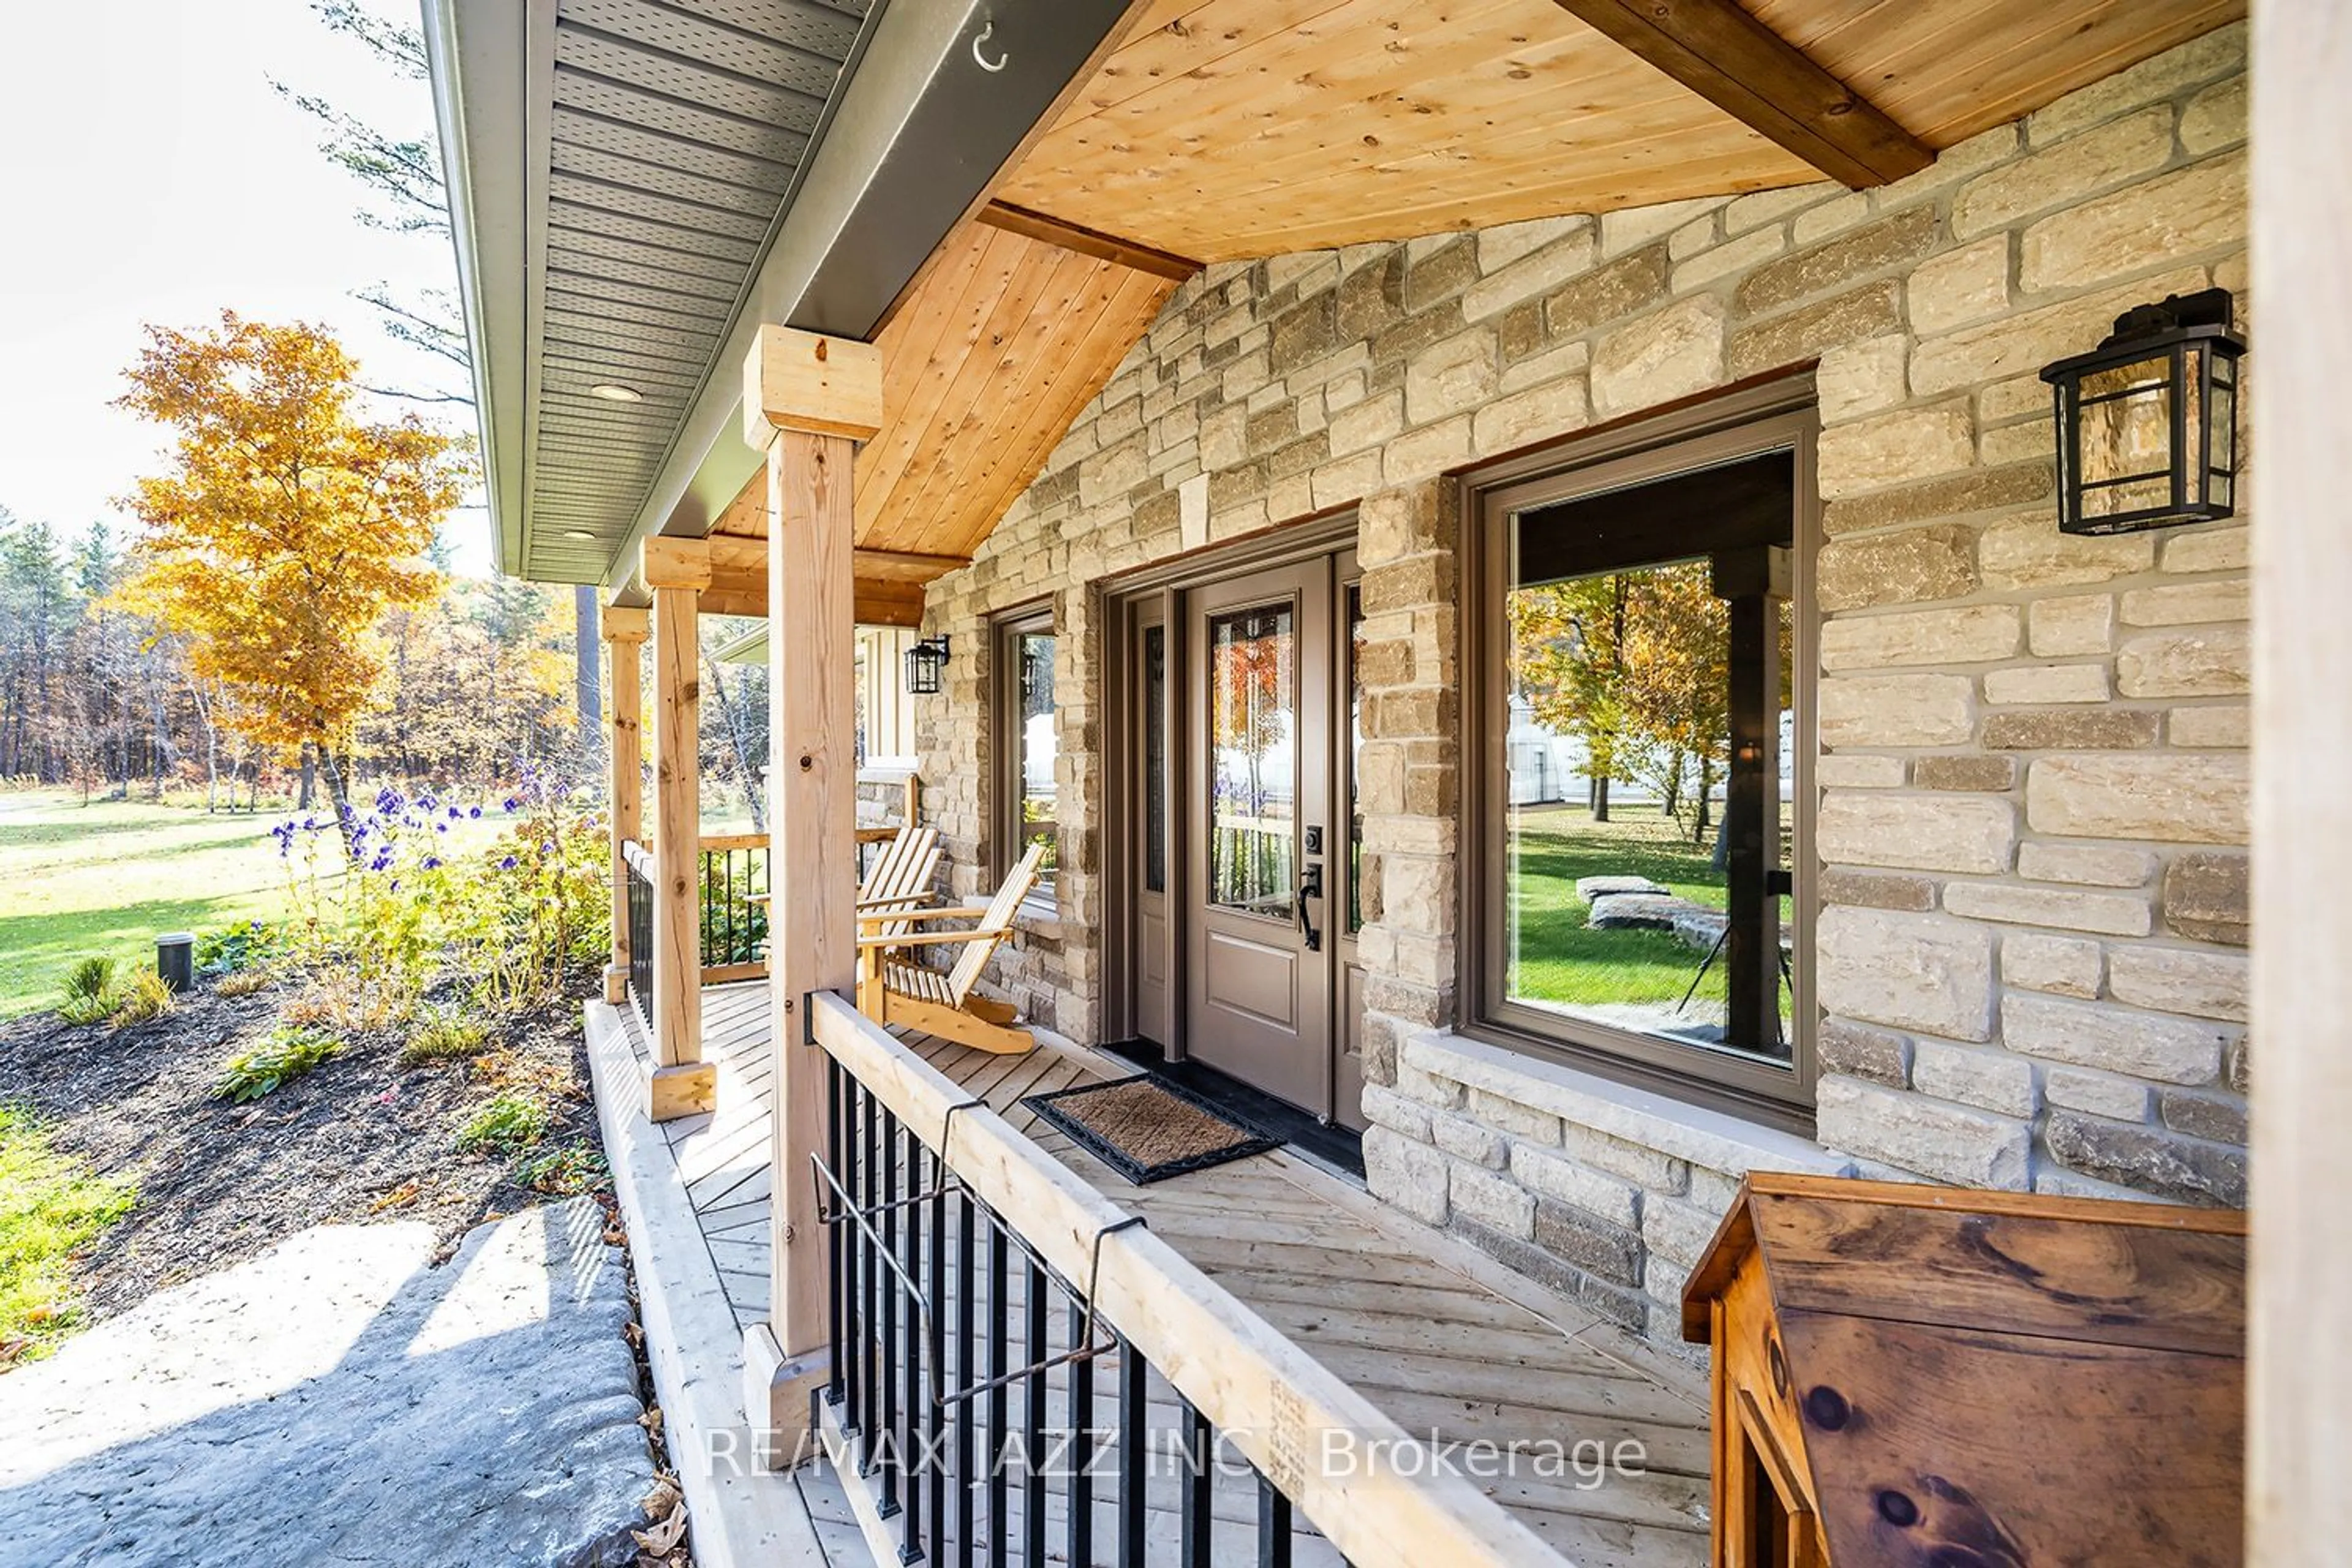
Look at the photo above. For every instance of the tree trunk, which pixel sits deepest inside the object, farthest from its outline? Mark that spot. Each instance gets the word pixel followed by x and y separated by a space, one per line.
pixel 729 716
pixel 307 791
pixel 589 683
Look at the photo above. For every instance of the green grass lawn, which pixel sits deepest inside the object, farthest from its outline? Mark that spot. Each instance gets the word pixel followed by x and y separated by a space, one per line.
pixel 49 1205
pixel 1557 958
pixel 110 877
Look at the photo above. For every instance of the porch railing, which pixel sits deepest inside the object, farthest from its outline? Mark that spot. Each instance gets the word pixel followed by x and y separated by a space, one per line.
pixel 640 862
pixel 734 915
pixel 996 1325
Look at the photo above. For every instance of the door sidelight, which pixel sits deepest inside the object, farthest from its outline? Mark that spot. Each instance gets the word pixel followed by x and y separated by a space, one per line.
pixel 1311 886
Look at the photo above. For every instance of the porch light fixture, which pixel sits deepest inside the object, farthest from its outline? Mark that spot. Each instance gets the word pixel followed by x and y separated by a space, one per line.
pixel 2148 422
pixel 577 533
pixel 925 660
pixel 614 392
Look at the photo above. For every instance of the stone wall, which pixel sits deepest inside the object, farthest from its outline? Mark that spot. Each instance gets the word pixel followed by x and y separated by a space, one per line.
pixel 2031 763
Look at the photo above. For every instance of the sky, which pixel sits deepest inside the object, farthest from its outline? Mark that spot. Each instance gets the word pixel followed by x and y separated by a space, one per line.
pixel 149 172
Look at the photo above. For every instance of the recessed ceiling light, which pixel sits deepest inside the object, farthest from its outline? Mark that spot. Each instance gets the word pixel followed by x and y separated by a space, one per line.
pixel 614 392
pixel 577 533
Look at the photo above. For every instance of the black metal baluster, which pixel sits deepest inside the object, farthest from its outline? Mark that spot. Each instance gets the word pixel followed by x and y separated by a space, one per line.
pixel 936 1275
pixel 836 1381
pixel 1192 1485
pixel 867 1347
pixel 1082 1443
pixel 1273 1526
pixel 910 1346
pixel 996 1412
pixel 1033 1433
pixel 853 1178
pixel 1134 1433
pixel 892 1351
pixel 967 1216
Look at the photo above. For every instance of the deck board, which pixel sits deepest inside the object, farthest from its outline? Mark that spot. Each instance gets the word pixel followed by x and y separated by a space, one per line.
pixel 1379 1300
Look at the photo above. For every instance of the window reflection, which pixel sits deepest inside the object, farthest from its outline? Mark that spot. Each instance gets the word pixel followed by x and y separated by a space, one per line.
pixel 1253 759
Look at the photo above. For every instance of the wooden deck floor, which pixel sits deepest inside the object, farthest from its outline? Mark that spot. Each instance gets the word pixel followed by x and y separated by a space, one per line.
pixel 1435 1334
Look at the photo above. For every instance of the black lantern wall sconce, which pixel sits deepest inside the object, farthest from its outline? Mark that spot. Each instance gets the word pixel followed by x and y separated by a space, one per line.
pixel 925 661
pixel 2148 422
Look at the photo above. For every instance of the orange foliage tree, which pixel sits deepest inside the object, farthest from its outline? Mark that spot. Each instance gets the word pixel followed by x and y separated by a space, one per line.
pixel 286 529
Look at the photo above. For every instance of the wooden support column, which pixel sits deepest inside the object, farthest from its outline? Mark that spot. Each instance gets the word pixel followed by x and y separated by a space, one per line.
pixel 2299 1388
pixel 683 1083
pixel 808 400
pixel 624 635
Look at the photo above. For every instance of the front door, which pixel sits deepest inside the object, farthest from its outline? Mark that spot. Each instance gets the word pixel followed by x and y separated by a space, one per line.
pixel 1264 848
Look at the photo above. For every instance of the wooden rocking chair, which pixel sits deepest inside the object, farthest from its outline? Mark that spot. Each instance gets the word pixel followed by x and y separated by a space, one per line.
pixel 894 989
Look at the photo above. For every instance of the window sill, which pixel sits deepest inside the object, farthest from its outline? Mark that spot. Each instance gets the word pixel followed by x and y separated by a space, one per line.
pixel 1039 918
pixel 1716 1139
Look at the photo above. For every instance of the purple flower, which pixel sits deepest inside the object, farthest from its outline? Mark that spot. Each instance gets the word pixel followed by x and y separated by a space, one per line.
pixel 507 864
pixel 433 862
pixel 475 813
pixel 511 803
pixel 455 814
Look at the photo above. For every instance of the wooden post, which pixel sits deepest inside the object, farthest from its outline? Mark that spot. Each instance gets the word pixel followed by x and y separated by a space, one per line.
pixel 2299 1388
pixel 624 635
pixel 808 401
pixel 683 1083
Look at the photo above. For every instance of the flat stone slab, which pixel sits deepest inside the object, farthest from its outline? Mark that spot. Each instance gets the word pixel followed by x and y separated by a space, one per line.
pixel 340 1401
pixel 1592 888
pixel 1638 911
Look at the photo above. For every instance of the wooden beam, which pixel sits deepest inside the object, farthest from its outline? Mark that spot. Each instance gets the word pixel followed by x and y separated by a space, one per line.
pixel 624 630
pixel 904 565
pixel 2299 1390
pixel 810 383
pixel 666 563
pixel 1084 241
pixel 888 604
pixel 683 1083
pixel 1725 55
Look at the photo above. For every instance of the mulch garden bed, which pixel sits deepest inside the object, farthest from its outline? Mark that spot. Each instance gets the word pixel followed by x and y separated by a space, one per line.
pixel 359 1138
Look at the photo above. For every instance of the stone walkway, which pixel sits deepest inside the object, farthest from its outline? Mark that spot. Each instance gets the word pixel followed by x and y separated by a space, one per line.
pixel 341 1401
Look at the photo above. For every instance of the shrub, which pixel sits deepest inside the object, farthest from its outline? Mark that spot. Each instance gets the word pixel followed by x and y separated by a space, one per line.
pixel 230 949
pixel 442 1036
pixel 244 983
pixel 146 997
pixel 563 1173
pixel 284 1055
pixel 505 1124
pixel 91 992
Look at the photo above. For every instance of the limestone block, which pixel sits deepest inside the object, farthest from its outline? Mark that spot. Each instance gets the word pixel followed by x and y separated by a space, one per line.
pixel 2029 551
pixel 2047 683
pixel 1410 1174
pixel 2020 343
pixel 1896 709
pixel 1612 1198
pixel 2205 898
pixel 2068 966
pixel 1972 634
pixel 2071 623
pixel 1859 1051
pixel 1974 774
pixel 1894 448
pixel 2215 118
pixel 2195 981
pixel 1450 376
pixel 1664 356
pixel 2220 53
pixel 2065 172
pixel 1901 237
pixel 2218 548
pixel 1609 293
pixel 1983 1075
pixel 1869 890
pixel 1960 286
pixel 2198 798
pixel 1949 1142
pixel 2070 729
pixel 1925 973
pixel 2117 914
pixel 1858 378
pixel 2084 865
pixel 1915 832
pixel 2200 207
pixel 1492 1200
pixel 2101 1094
pixel 1857 770
pixel 2140 1045
pixel 2183 604
pixel 2211 726
pixel 2149 1160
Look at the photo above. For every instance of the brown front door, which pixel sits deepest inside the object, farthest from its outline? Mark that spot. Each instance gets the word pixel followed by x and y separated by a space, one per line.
pixel 1266 841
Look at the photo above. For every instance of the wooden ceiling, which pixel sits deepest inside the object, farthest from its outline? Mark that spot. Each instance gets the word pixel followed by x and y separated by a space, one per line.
pixel 1013 328
pixel 1223 129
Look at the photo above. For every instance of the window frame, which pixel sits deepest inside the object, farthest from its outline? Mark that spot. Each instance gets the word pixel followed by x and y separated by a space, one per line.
pixel 1005 632
pixel 1774 417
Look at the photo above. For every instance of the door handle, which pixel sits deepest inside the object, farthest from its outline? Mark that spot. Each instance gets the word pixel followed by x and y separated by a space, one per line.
pixel 1311 886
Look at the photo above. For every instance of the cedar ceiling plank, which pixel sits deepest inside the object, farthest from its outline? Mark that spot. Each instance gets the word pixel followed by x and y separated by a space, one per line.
pixel 976 380
pixel 923 348
pixel 1750 72
pixel 905 565
pixel 1090 365
pixel 1193 46
pixel 1015 446
pixel 1088 241
pixel 878 603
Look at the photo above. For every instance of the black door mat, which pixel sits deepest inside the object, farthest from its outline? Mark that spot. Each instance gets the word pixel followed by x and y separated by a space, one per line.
pixel 1148 1130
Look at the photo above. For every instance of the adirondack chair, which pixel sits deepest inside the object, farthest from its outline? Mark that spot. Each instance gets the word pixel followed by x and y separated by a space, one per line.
pixel 894 989
pixel 899 880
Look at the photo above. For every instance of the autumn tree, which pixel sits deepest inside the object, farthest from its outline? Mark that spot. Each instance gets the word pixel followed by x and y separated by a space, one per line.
pixel 286 529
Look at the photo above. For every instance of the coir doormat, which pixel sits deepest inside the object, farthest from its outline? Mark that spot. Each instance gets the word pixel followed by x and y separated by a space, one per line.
pixel 1148 1130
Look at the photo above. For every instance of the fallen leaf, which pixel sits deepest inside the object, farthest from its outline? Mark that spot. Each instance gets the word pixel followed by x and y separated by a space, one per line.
pixel 635 1335
pixel 651 1420
pixel 664 1497
pixel 616 1237
pixel 664 1537
pixel 400 1196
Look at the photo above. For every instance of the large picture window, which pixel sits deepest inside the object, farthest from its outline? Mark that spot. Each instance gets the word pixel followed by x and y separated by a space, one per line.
pixel 1638 803
pixel 1026 791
